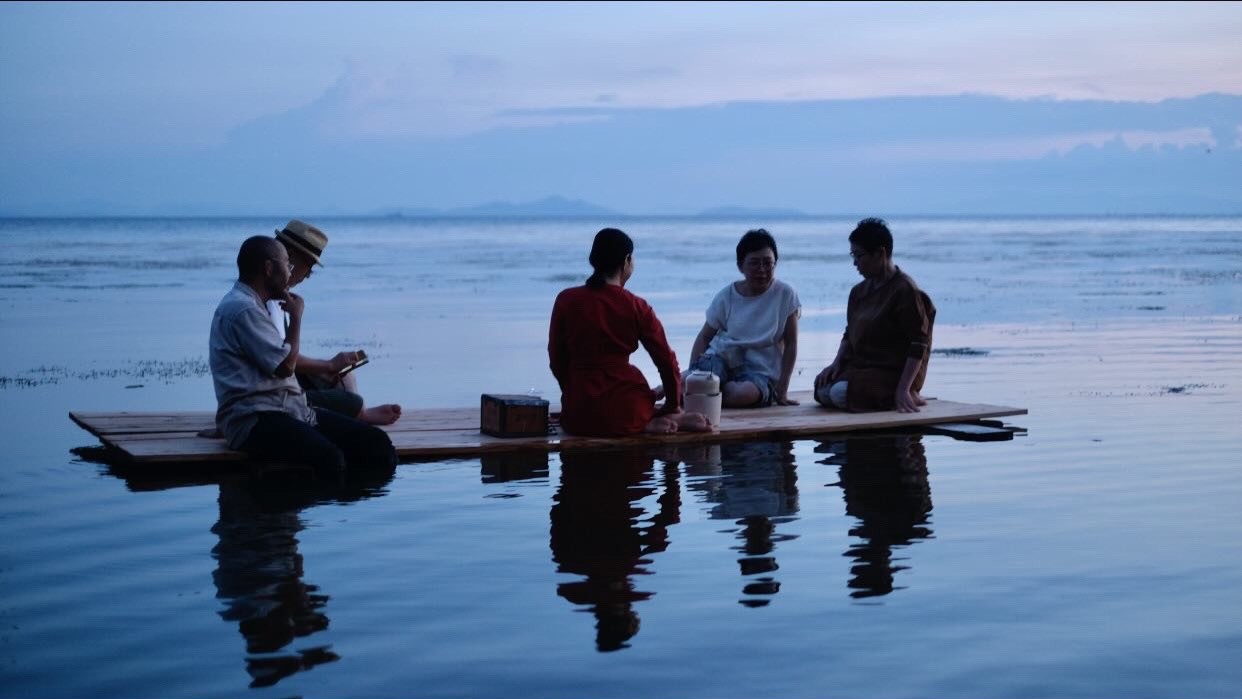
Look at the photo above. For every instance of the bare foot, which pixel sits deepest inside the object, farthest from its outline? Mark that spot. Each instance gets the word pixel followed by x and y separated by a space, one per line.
pixel 661 425
pixel 693 422
pixel 381 414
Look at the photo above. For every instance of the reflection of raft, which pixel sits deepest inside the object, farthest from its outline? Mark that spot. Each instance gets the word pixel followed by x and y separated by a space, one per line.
pixel 154 437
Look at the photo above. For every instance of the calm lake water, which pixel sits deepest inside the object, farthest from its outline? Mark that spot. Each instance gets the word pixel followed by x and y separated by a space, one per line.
pixel 1098 554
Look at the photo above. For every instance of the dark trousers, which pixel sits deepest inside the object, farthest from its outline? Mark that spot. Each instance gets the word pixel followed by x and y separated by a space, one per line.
pixel 336 441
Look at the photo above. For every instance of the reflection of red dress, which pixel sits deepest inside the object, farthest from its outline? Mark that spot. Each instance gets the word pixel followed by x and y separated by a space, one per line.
pixel 592 335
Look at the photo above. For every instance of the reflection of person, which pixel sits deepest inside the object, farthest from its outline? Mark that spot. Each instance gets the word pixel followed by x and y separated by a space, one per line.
pixel 259 571
pixel 600 533
pixel 885 486
pixel 321 379
pixel 758 489
pixel 261 409
pixel 750 339
pixel 881 362
pixel 594 330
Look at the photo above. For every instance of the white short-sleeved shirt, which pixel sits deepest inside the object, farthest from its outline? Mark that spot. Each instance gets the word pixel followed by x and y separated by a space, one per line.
pixel 243 352
pixel 277 312
pixel 749 328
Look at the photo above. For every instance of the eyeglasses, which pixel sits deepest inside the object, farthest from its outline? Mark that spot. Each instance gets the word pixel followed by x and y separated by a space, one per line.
pixel 288 265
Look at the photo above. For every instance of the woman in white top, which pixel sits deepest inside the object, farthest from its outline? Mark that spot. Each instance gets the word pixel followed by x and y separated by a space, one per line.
pixel 750 339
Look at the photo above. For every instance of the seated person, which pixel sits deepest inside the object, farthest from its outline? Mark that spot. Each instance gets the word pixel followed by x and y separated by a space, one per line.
pixel 882 360
pixel 325 387
pixel 261 409
pixel 750 339
pixel 594 330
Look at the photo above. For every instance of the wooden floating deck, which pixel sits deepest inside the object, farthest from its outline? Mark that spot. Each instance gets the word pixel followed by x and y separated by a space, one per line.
pixel 157 437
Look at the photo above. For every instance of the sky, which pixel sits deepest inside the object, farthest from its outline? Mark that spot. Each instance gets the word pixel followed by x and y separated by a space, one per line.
pixel 168 107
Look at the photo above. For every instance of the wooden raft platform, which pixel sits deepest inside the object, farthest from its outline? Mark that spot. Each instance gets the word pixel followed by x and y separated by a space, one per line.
pixel 155 437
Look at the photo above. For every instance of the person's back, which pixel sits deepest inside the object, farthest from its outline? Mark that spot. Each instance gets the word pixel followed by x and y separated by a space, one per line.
pixel 598 330
pixel 593 331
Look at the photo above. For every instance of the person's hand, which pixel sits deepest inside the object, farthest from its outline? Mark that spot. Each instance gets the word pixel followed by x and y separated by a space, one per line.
pixel 908 401
pixel 826 377
pixel 342 360
pixel 785 400
pixel 293 304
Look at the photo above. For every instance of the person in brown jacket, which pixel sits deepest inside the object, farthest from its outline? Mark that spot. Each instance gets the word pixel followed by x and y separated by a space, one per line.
pixel 882 360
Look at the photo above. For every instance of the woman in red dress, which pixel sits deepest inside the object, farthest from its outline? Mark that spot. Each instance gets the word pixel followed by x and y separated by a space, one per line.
pixel 594 330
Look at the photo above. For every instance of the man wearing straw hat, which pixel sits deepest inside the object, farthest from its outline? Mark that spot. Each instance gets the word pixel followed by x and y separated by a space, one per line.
pixel 325 385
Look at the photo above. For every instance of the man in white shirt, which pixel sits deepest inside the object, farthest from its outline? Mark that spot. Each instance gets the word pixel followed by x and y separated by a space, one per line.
pixel 261 409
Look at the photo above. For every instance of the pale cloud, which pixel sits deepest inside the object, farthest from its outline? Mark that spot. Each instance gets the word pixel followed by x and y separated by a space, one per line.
pixel 948 150
pixel 802 52
pixel 127 73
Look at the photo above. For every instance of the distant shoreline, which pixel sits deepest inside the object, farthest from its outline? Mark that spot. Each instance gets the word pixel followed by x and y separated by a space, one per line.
pixel 605 217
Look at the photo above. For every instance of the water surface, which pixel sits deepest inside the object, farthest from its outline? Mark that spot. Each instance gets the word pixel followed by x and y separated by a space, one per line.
pixel 1097 554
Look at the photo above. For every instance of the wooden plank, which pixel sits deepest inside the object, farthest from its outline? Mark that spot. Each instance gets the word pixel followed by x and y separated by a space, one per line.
pixel 179 449
pixel 153 437
pixel 172 422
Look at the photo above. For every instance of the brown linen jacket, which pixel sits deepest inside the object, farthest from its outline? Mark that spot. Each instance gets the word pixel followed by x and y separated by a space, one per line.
pixel 884 327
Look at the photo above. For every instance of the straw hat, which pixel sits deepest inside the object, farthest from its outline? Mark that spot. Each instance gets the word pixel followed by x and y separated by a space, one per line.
pixel 304 238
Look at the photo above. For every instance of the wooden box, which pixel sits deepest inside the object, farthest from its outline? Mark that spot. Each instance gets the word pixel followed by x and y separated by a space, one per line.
pixel 513 415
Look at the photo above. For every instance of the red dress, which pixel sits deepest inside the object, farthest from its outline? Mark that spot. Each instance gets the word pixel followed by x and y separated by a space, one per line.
pixel 590 340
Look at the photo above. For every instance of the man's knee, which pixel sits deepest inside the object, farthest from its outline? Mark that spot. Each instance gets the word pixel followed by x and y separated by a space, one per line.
pixel 371 446
pixel 327 458
pixel 380 447
pixel 833 395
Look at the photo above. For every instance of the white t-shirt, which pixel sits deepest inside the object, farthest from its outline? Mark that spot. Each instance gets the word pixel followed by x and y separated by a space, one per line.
pixel 278 316
pixel 749 328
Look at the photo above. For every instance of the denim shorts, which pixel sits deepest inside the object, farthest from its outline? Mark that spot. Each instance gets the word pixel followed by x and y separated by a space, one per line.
pixel 716 364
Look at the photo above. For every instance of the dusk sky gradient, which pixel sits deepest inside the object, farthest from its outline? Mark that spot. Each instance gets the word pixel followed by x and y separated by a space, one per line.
pixel 166 108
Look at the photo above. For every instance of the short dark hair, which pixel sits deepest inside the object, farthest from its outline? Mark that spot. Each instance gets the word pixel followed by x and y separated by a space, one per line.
pixel 254 252
pixel 871 234
pixel 754 240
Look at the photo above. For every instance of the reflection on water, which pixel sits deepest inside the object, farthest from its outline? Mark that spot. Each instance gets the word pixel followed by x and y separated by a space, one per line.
pixel 885 486
pixel 754 484
pixel 603 533
pixel 259 570
pixel 614 508
pixel 519 466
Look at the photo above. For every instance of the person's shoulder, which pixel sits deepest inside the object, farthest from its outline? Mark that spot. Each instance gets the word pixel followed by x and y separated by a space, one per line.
pixel 906 280
pixel 784 288
pixel 634 299
pixel 237 303
pixel 571 292
pixel 233 300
